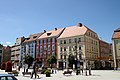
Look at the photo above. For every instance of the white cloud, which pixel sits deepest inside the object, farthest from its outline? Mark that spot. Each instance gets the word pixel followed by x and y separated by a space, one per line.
pixel 8 43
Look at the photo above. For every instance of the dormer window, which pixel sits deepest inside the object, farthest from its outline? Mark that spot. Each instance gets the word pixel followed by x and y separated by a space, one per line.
pixel 48 34
pixel 27 38
pixel 34 36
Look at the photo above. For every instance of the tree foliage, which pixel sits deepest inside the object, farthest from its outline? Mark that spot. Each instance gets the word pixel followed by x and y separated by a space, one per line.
pixel 71 59
pixel 51 60
pixel 29 59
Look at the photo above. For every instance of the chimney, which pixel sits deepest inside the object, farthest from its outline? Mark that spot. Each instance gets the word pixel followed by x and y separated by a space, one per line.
pixel 55 29
pixel 80 24
pixel 44 31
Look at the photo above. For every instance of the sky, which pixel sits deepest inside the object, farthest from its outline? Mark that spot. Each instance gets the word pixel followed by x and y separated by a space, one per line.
pixel 24 17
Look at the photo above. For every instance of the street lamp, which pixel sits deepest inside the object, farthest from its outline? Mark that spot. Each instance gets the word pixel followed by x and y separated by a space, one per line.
pixel 89 67
pixel 76 58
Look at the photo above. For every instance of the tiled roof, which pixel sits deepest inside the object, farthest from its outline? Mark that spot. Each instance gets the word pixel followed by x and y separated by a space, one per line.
pixel 116 34
pixel 32 37
pixel 73 31
pixel 51 33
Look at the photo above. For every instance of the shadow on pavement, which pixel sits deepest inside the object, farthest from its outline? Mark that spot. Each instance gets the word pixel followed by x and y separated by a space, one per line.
pixel 95 75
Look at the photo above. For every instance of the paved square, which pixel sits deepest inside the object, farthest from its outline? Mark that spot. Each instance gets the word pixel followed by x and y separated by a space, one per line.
pixel 96 75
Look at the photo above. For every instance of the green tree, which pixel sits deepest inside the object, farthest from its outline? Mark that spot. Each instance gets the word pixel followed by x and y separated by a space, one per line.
pixel 28 60
pixel 51 60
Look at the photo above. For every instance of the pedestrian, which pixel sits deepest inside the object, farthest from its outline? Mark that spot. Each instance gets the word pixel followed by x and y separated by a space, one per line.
pixel 81 68
pixel 18 68
pixel 34 70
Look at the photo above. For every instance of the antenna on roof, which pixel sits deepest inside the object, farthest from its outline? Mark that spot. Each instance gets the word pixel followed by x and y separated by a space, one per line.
pixel 80 24
pixel 55 29
pixel 44 31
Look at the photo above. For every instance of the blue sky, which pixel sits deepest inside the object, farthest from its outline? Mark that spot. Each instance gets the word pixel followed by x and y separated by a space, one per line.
pixel 24 17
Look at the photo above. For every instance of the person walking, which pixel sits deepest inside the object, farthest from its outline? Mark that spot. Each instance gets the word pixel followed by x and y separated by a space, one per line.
pixel 81 68
pixel 34 70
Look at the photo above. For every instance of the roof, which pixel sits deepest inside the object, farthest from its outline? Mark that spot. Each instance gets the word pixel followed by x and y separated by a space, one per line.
pixel 51 33
pixel 32 37
pixel 116 34
pixel 74 31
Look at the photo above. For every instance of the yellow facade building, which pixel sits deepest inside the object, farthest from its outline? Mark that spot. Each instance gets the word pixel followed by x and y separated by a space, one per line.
pixel 80 42
pixel 116 48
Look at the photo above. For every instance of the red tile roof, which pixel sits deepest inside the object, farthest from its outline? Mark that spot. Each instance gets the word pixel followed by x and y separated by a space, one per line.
pixel 32 37
pixel 116 34
pixel 73 31
pixel 51 33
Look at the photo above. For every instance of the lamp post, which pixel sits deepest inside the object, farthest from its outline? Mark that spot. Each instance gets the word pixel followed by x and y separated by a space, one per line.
pixel 76 58
pixel 89 67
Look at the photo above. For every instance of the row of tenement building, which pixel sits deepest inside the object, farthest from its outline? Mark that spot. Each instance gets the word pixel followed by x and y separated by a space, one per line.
pixel 79 41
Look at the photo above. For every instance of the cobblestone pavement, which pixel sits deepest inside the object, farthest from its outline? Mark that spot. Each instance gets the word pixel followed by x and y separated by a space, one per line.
pixel 96 75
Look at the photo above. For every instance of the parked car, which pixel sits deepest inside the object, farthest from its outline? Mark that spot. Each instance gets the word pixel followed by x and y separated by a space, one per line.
pixel 7 77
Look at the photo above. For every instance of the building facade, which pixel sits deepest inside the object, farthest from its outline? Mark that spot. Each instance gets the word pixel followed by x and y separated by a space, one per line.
pixel 6 56
pixel 105 55
pixel 116 48
pixel 29 47
pixel 47 44
pixel 1 52
pixel 16 52
pixel 79 41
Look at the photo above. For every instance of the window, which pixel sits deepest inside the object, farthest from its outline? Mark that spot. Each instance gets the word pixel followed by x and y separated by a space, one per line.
pixel 31 50
pixel 9 78
pixel 53 53
pixel 61 56
pixel 48 47
pixel 61 49
pixel 79 39
pixel 34 36
pixel 49 41
pixel 75 40
pixel 53 40
pixel 64 48
pixel 45 41
pixel 69 40
pixel 40 48
pixel 70 48
pixel 79 47
pixel 92 48
pixel 45 48
pixel 60 41
pixel 40 41
pixel 75 48
pixel 0 51
pixel 48 34
pixel 53 47
pixel 64 56
pixel 3 78
pixel 40 53
pixel 48 53
pixel 64 41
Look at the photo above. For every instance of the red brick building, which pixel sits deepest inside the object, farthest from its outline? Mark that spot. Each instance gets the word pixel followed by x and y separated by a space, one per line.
pixel 47 44
pixel 105 54
pixel 6 56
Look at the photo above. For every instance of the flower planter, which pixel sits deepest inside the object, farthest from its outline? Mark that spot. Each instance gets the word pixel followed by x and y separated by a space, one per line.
pixel 47 75
pixel 47 72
